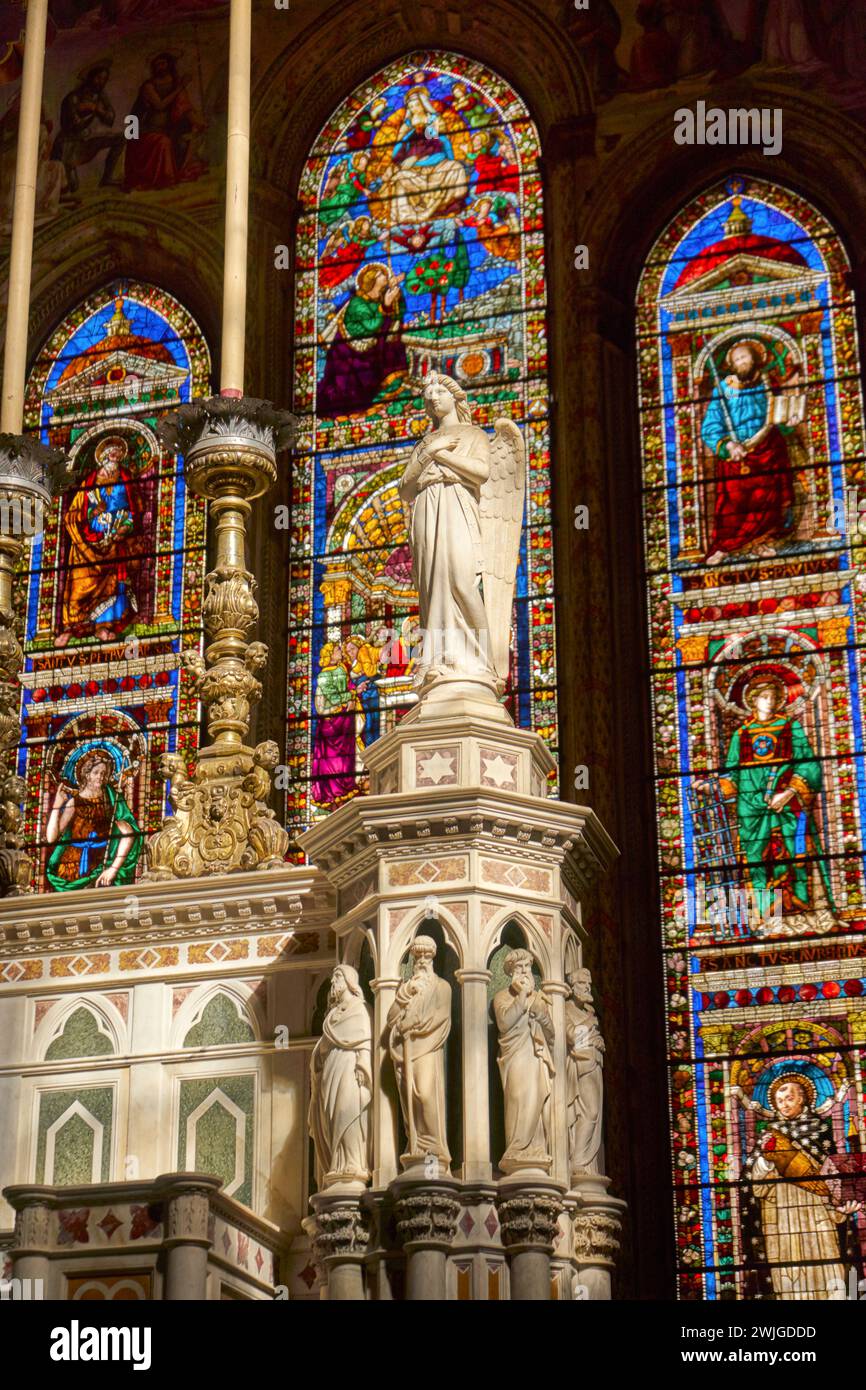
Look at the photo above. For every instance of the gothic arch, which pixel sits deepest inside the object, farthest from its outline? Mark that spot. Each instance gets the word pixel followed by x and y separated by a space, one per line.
pixel 239 994
pixel 74 257
pixel 109 1021
pixel 534 53
pixel 412 925
pixel 537 942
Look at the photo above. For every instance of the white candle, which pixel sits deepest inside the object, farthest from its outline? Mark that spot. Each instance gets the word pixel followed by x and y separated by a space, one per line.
pixel 237 199
pixel 21 251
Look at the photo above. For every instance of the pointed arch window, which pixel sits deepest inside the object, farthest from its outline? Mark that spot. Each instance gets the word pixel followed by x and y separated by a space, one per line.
pixel 419 248
pixel 113 589
pixel 753 474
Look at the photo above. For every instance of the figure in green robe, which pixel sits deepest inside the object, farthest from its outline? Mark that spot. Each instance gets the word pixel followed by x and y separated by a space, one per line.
pixel 96 838
pixel 775 778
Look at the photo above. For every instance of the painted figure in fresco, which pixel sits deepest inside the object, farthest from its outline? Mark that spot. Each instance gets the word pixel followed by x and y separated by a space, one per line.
pixel 366 359
pixel 84 112
pixel 424 179
pixel 793 34
pixel 790 1195
pixel 104 515
pixel 50 177
pixel 773 775
pixel 419 1021
pixel 341 1084
pixel 95 835
pixel 163 156
pixel 754 506
pixel 334 746
pixel 526 1036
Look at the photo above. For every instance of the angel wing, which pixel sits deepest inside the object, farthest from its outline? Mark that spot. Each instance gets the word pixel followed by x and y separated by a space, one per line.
pixel 501 512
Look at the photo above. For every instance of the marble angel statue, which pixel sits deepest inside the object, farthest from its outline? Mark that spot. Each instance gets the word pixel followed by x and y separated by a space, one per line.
pixel 466 491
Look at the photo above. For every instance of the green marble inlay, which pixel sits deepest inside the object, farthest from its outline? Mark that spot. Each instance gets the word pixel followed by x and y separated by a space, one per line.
pixel 80 1038
pixel 74 1140
pixel 215 1130
pixel 221 1022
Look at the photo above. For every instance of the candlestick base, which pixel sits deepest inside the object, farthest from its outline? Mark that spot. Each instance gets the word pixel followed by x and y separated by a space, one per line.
pixel 220 821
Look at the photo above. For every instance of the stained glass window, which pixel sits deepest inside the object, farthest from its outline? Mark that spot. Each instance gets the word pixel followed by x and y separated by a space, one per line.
pixel 113 588
pixel 753 456
pixel 419 249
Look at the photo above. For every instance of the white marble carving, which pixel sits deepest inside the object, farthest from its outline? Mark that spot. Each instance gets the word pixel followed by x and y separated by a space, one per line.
pixel 419 1022
pixel 525 1027
pixel 584 1079
pixel 341 1086
pixel 467 493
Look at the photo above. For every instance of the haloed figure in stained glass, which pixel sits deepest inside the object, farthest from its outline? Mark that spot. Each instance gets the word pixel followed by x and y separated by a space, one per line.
pixel 95 836
pixel 774 778
pixel 98 594
pixel 799 1211
pixel 754 485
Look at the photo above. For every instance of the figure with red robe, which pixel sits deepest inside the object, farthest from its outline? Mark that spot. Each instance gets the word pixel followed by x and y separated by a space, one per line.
pixel 344 252
pixel 494 173
pixel 754 506
pixel 102 519
pixel 162 156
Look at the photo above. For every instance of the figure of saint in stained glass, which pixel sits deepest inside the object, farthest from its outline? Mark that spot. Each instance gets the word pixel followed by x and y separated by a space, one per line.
pixel 95 837
pixel 754 481
pixel 794 1200
pixel 104 515
pixel 774 777
pixel 335 744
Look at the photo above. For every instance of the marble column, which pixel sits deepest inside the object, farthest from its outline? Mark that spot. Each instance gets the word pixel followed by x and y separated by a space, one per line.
pixel 187 1241
pixel 386 1102
pixel 556 993
pixel 341 1240
pixel 597 1224
pixel 426 1215
pixel 529 1213
pixel 32 1239
pixel 477 1166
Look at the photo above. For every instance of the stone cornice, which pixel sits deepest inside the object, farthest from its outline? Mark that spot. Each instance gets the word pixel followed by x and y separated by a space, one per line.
pixel 296 897
pixel 440 819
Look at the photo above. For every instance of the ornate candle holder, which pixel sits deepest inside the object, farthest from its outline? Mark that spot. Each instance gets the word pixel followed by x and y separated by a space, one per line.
pixel 220 821
pixel 31 474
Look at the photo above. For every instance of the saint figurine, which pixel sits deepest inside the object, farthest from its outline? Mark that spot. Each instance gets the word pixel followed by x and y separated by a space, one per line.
pixel 419 1022
pixel 525 1059
pixel 341 1085
pixel 583 1070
